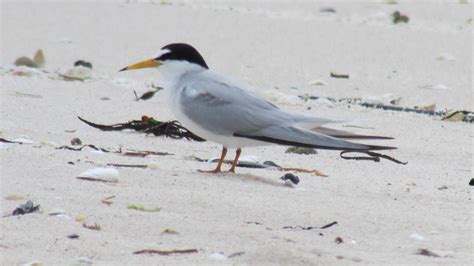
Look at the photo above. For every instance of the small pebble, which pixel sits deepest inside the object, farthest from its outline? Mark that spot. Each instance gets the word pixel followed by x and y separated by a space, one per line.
pixel 73 236
pixel 339 240
pixel 76 142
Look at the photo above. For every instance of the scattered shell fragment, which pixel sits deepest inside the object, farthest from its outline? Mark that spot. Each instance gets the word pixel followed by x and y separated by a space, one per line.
pixel 100 174
pixel 417 236
pixel 318 82
pixel 79 73
pixel 15 197
pixel 375 100
pixel 24 140
pixel 37 61
pixel 454 116
pixel 429 107
pixel 445 57
pixel 435 87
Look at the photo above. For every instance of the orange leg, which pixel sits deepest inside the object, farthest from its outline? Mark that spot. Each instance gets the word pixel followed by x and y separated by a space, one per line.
pixel 236 159
pixel 218 168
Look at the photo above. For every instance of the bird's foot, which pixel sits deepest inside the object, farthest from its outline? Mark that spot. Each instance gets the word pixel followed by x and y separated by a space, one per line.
pixel 215 171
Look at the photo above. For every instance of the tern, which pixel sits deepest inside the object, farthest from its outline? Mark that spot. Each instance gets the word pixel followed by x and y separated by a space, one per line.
pixel 223 111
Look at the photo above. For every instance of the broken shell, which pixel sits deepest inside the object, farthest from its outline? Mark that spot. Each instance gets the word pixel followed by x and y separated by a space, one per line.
pixel 38 59
pixel 446 57
pixel 78 73
pixel 318 82
pixel 25 61
pixel 107 174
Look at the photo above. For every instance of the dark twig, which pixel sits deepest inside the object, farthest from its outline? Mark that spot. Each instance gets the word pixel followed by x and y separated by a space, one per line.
pixel 373 156
pixel 165 252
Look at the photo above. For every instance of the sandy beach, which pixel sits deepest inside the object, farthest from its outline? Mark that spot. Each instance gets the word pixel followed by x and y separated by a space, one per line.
pixel 386 213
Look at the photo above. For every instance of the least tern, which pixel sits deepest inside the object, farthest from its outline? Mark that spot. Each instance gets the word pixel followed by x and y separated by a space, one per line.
pixel 220 110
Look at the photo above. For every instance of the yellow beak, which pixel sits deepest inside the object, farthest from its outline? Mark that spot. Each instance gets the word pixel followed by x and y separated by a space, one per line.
pixel 144 64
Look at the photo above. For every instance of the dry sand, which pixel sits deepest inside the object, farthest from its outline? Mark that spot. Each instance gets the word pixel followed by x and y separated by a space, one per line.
pixel 385 212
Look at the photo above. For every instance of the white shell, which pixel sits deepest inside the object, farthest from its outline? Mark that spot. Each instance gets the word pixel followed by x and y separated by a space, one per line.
pixel 318 82
pixel 79 73
pixel 108 174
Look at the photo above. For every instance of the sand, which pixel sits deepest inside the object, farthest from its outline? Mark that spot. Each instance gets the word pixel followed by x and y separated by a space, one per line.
pixel 385 212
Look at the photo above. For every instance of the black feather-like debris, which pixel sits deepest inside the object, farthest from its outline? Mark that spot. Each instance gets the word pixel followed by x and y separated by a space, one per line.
pixel 293 178
pixel 149 125
pixel 28 207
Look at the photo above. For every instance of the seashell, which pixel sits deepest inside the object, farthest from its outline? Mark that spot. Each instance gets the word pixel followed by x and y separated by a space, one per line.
pixel 78 73
pixel 446 57
pixel 318 82
pixel 375 100
pixel 25 61
pixel 24 140
pixel 38 59
pixel 101 174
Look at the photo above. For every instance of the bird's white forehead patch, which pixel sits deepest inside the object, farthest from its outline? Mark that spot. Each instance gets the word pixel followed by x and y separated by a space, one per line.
pixel 162 52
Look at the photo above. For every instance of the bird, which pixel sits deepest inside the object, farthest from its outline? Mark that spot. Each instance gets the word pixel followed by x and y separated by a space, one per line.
pixel 226 112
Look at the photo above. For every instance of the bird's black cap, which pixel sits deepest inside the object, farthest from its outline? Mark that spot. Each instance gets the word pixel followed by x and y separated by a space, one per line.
pixel 183 52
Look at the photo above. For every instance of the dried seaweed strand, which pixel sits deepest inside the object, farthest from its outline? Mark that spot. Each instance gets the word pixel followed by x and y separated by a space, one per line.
pixel 373 156
pixel 172 129
pixel 165 252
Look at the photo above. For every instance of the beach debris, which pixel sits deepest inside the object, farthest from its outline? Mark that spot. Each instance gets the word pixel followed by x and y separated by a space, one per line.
pixel 84 260
pixel 236 254
pixel 438 86
pixel 28 207
pixel 398 17
pixel 37 61
pixel 108 200
pixel 94 226
pixel 428 108
pixel 318 82
pixel 468 115
pixel 76 142
pixel 446 57
pixel 142 208
pixel 133 153
pixel 426 252
pixel 100 174
pixel 290 177
pixel 417 236
pixel 327 10
pixel 127 165
pixel 14 197
pixel 149 94
pixel 256 223
pixel 300 227
pixel 23 140
pixel 301 150
pixel 338 240
pixel 310 227
pixel 83 64
pixel 454 116
pixel 81 218
pixel 218 256
pixel 302 170
pixel 471 183
pixel 373 156
pixel 73 236
pixel 77 73
pixel 60 214
pixel 328 225
pixel 339 75
pixel 443 187
pixel 169 231
pixel 165 252
pixel 375 100
pixel 172 129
